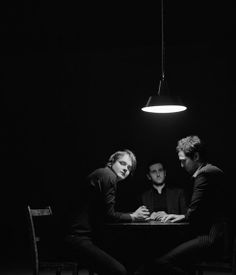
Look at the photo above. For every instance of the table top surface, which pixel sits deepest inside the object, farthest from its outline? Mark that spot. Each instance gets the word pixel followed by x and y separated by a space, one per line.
pixel 149 223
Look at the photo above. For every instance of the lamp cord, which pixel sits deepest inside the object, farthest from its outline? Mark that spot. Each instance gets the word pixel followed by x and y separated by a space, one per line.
pixel 162 40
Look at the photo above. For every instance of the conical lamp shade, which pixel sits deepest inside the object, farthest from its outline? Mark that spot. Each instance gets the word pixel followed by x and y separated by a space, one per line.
pixel 163 102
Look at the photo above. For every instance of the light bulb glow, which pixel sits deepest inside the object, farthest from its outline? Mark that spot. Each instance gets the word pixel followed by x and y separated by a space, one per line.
pixel 164 109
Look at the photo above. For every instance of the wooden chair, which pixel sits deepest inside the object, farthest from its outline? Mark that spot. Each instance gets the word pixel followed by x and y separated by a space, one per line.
pixel 38 264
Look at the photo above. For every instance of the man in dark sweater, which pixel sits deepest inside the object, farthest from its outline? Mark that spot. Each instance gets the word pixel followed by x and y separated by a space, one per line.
pixel 161 198
pixel 96 207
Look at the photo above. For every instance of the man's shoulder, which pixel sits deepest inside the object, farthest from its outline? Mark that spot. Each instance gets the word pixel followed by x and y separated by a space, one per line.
pixel 211 169
pixel 103 172
pixel 102 176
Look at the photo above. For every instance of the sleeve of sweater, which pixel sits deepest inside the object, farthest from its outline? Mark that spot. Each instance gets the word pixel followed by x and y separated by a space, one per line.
pixel 107 189
pixel 199 196
pixel 182 202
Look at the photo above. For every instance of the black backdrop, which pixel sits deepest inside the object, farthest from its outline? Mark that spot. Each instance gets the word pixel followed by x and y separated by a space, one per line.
pixel 73 80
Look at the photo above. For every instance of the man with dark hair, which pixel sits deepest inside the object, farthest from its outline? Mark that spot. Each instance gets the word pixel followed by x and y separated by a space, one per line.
pixel 206 212
pixel 161 198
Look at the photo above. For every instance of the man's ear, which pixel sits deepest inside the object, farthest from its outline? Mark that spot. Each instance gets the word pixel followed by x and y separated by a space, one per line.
pixel 148 176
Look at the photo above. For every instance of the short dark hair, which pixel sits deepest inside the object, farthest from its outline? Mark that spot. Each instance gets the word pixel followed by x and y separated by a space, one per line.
pixel 154 161
pixel 190 145
pixel 114 157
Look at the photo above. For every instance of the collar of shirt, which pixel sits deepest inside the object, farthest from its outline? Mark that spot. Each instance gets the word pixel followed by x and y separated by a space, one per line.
pixel 113 172
pixel 159 188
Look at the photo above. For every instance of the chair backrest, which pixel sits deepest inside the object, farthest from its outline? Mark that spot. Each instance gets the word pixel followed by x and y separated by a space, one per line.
pixel 34 239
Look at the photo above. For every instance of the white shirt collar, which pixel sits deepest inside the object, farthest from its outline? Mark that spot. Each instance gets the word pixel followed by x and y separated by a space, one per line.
pixel 159 188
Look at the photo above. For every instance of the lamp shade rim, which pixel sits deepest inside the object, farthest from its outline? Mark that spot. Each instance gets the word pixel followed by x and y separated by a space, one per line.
pixel 164 104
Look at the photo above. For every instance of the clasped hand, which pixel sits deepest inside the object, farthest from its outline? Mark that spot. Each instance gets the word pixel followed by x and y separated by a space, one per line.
pixel 157 216
pixel 141 214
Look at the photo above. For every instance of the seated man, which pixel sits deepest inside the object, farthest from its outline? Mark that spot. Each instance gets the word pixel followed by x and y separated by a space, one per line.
pixel 161 198
pixel 206 213
pixel 95 205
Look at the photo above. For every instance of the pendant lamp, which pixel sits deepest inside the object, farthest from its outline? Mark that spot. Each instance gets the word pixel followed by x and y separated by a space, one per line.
pixel 163 102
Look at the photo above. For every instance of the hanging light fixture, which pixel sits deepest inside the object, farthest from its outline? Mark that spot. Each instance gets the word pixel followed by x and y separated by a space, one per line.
pixel 163 102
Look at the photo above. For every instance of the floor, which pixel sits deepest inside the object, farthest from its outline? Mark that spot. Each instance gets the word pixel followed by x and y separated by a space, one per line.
pixel 27 271
pixel 17 270
pixel 24 268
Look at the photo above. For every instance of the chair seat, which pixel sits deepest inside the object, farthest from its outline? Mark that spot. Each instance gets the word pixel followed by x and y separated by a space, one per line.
pixel 46 253
pixel 50 264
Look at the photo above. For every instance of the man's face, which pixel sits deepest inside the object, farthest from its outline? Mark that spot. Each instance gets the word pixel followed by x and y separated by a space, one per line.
pixel 189 164
pixel 157 174
pixel 122 166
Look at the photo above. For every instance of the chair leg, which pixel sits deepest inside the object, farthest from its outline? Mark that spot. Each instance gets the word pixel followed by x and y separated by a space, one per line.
pixel 36 271
pixel 199 272
pixel 75 270
pixel 58 271
pixel 91 272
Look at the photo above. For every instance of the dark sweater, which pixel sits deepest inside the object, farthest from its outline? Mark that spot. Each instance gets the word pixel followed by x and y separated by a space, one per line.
pixel 97 204
pixel 171 200
pixel 209 200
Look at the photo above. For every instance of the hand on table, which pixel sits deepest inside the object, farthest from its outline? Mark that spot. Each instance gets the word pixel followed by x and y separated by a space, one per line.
pixel 172 218
pixel 141 214
pixel 157 216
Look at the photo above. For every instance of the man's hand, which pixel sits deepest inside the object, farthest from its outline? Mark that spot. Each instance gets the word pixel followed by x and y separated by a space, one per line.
pixel 141 214
pixel 172 218
pixel 157 216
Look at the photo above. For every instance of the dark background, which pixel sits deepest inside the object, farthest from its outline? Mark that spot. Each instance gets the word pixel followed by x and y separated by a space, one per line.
pixel 73 80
